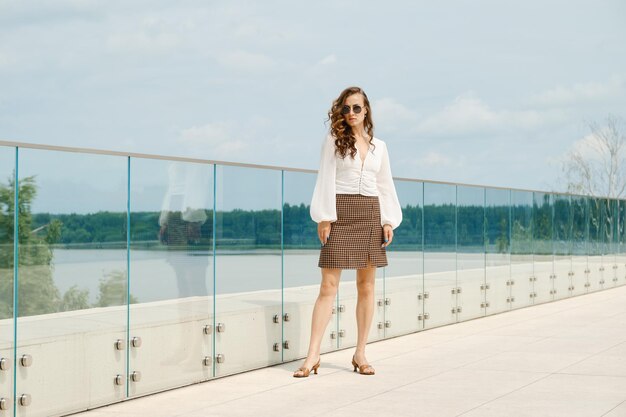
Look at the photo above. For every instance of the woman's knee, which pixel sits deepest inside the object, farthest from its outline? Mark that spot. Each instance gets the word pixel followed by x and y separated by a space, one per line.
pixel 365 287
pixel 365 291
pixel 328 289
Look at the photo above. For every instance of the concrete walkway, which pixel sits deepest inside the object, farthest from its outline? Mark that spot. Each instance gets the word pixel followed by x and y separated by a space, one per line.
pixel 566 358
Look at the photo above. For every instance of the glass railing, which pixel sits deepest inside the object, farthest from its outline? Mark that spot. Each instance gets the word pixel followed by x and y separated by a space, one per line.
pixel 138 273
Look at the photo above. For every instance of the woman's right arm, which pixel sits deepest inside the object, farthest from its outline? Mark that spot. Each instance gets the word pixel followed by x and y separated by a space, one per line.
pixel 323 202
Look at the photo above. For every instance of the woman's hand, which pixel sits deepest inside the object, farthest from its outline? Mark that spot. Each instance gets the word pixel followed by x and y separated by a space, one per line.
pixel 388 235
pixel 323 231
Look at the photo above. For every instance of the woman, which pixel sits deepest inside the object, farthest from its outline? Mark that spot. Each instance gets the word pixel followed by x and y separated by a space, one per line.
pixel 356 208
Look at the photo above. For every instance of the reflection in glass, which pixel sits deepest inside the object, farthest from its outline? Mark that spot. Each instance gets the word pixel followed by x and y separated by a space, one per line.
pixel 621 261
pixel 171 281
pixel 562 245
pixel 579 242
pixel 7 212
pixel 439 253
pixel 171 229
pixel 405 273
pixel 74 231
pixel 596 239
pixel 72 275
pixel 470 251
pixel 522 257
pixel 610 242
pixel 7 215
pixel 543 217
pixel 498 246
pixel 248 277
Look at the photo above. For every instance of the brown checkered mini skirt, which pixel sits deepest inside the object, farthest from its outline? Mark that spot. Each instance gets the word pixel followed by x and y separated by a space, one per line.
pixel 356 236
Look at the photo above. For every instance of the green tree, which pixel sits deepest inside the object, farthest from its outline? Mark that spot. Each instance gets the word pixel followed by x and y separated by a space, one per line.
pixel 36 289
pixel 113 290
pixel 75 299
pixel 502 242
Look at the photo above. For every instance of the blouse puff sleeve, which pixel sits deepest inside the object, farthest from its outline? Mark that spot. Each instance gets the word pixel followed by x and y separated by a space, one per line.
pixel 390 210
pixel 323 203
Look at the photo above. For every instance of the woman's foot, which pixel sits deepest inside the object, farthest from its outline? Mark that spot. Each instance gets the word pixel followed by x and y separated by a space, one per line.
pixel 307 367
pixel 359 361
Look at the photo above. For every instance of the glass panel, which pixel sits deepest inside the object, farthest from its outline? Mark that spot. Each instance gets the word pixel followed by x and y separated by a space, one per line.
pixel 542 243
pixel 74 288
pixel 621 261
pixel 7 211
pixel 498 247
pixel 522 265
pixel 470 231
pixel 610 235
pixel 580 217
pixel 595 244
pixel 439 253
pixel 404 276
pixel 248 262
pixel 562 246
pixel 302 276
pixel 72 279
pixel 171 273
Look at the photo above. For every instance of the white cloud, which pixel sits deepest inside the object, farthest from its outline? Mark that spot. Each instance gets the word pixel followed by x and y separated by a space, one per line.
pixel 435 159
pixel 595 150
pixel 247 61
pixel 212 140
pixel 469 114
pixel 392 115
pixel 581 93
pixel 328 60
pixel 6 60
pixel 323 68
pixel 143 42
pixel 465 114
pixel 586 145
pixel 258 31
pixel 260 122
pixel 592 147
pixel 433 164
pixel 156 34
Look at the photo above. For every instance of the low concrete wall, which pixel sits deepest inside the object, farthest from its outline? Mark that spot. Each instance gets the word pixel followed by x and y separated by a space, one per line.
pixel 75 360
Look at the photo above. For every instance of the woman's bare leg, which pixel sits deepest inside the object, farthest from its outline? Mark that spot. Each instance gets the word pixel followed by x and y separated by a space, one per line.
pixel 322 312
pixel 365 279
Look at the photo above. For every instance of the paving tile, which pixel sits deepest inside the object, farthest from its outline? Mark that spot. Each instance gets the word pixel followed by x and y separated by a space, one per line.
pixel 393 404
pixel 574 344
pixel 619 411
pixel 558 395
pixel 611 362
pixel 447 394
pixel 313 396
pixel 490 343
pixel 543 362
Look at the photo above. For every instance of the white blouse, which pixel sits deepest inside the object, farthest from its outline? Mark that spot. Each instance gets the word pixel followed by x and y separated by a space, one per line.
pixel 348 176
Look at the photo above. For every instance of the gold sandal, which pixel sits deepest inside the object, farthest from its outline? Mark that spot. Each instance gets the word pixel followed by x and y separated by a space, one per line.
pixel 363 369
pixel 306 371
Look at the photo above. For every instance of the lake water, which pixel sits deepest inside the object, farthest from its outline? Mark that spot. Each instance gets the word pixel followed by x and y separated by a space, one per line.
pixel 157 275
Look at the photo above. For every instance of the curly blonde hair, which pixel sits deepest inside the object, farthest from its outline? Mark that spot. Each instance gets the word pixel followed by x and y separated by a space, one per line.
pixel 345 142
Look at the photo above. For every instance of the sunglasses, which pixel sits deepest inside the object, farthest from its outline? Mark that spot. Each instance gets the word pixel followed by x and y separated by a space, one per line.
pixel 346 109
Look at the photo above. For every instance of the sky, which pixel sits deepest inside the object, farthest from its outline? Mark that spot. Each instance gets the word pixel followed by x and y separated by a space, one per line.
pixel 484 92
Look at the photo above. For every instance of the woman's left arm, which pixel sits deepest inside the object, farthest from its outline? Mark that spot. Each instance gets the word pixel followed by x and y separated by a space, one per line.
pixel 390 210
